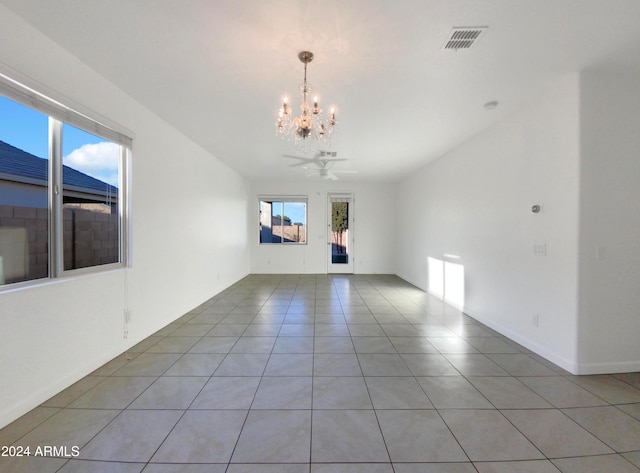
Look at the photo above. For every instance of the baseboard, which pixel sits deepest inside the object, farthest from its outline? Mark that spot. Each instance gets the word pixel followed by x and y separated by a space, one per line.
pixel 36 398
pixel 562 362
pixel 412 282
pixel 608 367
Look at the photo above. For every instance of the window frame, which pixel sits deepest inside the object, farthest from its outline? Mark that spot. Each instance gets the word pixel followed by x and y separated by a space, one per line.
pixel 283 200
pixel 60 114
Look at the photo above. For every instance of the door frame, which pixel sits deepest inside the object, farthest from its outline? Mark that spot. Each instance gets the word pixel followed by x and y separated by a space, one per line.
pixel 341 268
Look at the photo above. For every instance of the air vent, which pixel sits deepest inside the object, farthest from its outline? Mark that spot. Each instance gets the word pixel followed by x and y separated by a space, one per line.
pixel 463 38
pixel 331 154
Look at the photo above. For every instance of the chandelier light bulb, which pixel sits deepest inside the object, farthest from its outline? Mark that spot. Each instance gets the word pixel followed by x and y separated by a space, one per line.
pixel 311 128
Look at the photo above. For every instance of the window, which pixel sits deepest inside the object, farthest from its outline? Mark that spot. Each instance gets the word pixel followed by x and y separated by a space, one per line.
pixel 90 199
pixel 24 202
pixel 62 192
pixel 283 220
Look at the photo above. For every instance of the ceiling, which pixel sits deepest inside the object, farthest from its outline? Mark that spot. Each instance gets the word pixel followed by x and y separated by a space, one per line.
pixel 216 69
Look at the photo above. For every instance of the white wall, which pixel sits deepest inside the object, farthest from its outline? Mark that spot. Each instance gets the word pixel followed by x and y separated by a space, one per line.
pixel 184 202
pixel 475 202
pixel 609 303
pixel 374 228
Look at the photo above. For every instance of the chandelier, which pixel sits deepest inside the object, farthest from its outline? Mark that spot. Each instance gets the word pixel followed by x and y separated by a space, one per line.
pixel 311 127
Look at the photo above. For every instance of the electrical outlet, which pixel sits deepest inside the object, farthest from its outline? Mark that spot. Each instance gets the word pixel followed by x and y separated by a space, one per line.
pixel 540 249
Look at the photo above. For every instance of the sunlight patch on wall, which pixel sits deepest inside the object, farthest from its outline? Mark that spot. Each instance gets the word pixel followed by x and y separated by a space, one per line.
pixel 446 281
pixel 436 277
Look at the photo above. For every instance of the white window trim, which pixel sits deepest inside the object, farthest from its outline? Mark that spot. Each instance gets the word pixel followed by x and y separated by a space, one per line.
pixel 289 198
pixel 28 92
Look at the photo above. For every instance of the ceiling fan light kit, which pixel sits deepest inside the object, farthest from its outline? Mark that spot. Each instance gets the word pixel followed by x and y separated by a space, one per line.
pixel 311 127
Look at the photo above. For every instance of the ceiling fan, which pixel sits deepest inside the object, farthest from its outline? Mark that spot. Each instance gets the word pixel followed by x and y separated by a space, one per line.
pixel 317 159
pixel 321 164
pixel 324 171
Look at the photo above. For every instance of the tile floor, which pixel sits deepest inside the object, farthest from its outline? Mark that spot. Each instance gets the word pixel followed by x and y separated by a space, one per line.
pixel 332 374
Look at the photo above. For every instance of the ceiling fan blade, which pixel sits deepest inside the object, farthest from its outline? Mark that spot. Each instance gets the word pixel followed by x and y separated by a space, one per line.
pixel 328 163
pixel 345 171
pixel 332 176
pixel 302 160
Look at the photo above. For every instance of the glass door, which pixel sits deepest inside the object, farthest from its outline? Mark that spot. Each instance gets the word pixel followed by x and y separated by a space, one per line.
pixel 340 233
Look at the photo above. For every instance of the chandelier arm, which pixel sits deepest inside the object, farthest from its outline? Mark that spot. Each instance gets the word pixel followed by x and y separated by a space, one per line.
pixel 310 128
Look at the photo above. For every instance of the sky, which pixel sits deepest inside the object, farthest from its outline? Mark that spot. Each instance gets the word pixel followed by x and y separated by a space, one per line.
pixel 27 130
pixel 294 210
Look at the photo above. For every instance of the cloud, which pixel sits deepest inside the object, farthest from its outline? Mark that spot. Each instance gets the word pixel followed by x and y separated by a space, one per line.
pixel 99 160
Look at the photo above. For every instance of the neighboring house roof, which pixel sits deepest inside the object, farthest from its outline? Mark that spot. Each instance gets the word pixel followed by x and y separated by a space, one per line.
pixel 15 162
